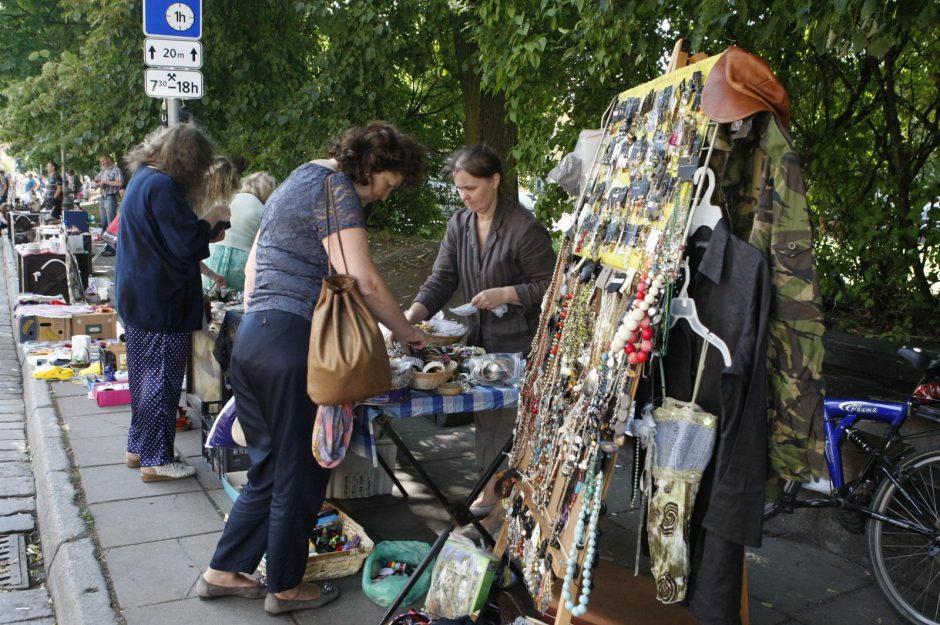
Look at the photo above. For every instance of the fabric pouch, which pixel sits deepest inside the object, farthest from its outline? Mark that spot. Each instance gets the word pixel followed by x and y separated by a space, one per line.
pixel 683 441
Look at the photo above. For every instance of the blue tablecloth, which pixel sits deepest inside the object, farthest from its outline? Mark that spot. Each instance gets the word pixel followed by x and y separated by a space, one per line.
pixel 426 403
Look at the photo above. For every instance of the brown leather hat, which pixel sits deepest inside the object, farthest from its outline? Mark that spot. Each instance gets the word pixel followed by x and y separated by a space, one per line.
pixel 742 84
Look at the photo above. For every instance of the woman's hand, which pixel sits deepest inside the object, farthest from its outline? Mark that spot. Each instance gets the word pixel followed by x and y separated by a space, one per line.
pixel 414 338
pixel 218 281
pixel 219 212
pixel 491 298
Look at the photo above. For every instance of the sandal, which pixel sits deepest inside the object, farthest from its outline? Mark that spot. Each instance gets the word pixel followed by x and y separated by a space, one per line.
pixel 183 422
pixel 164 472
pixel 52 372
pixel 92 370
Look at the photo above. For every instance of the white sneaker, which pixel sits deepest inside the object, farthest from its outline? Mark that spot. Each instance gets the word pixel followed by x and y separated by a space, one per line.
pixel 171 471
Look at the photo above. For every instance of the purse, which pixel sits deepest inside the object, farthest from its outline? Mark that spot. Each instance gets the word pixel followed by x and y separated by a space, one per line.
pixel 346 361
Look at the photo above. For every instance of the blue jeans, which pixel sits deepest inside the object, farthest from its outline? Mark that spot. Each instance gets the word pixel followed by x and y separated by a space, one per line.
pixel 107 209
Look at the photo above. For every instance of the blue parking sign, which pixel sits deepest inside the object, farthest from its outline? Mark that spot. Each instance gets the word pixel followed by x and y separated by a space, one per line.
pixel 176 20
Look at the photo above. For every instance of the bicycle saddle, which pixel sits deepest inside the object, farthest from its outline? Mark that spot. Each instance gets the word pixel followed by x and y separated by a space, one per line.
pixel 919 358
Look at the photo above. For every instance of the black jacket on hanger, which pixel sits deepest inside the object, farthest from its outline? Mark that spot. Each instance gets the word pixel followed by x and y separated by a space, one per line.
pixel 729 281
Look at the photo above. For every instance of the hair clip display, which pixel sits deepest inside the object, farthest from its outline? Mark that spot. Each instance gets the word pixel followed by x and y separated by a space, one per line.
pixel 647 140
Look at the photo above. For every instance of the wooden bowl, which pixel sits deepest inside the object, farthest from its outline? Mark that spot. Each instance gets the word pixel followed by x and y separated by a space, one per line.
pixel 445 339
pixel 449 388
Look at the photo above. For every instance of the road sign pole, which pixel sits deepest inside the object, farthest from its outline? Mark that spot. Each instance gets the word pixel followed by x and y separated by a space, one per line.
pixel 172 111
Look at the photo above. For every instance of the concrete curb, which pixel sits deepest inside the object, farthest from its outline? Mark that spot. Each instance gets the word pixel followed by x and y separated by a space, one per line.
pixel 74 576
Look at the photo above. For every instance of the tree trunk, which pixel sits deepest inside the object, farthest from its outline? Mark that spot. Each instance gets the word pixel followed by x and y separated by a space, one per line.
pixel 901 164
pixel 485 113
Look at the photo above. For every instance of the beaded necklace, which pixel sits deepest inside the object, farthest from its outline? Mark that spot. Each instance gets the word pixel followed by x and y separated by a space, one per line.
pixel 585 535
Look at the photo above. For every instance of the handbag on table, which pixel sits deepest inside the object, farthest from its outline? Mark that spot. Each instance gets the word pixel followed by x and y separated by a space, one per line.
pixel 347 361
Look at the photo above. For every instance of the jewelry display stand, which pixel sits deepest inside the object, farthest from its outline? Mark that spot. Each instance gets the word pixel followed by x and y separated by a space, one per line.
pixel 602 319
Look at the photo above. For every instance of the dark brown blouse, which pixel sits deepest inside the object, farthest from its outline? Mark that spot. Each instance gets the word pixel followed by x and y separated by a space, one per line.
pixel 517 253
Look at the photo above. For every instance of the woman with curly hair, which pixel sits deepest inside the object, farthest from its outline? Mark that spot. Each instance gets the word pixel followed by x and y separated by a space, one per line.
pixel 296 242
pixel 157 286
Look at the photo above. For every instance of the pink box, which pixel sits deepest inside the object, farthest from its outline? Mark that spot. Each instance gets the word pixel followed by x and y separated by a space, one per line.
pixel 112 393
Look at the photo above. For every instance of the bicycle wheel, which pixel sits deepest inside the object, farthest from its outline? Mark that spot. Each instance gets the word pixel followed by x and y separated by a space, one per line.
pixel 905 562
pixel 788 492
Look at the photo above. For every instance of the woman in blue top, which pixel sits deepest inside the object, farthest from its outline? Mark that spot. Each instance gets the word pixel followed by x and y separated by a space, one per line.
pixel 157 286
pixel 277 510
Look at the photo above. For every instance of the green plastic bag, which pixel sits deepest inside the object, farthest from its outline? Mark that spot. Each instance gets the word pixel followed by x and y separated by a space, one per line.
pixel 384 591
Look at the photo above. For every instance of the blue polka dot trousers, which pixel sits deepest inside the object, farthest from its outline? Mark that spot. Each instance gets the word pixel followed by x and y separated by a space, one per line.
pixel 156 362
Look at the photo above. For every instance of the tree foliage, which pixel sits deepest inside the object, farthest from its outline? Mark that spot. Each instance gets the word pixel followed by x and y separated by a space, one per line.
pixel 524 76
pixel 863 80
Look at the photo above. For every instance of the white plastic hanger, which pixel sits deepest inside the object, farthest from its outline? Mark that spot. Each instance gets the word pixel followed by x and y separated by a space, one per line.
pixel 683 307
pixel 705 213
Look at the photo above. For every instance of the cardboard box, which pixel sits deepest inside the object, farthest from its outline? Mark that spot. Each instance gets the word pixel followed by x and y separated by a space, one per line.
pixel 28 328
pixel 120 355
pixel 112 393
pixel 96 325
pixel 53 328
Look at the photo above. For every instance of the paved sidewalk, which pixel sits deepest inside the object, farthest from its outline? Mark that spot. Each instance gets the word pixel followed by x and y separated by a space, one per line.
pixel 156 538
pixel 17 493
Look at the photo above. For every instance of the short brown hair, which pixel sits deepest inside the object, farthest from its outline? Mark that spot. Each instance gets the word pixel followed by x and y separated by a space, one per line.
pixel 480 161
pixel 362 152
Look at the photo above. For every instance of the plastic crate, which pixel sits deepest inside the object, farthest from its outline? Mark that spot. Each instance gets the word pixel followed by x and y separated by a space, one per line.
pixel 222 460
pixel 356 478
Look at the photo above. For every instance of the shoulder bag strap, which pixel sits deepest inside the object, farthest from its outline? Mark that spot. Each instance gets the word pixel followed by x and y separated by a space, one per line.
pixel 331 208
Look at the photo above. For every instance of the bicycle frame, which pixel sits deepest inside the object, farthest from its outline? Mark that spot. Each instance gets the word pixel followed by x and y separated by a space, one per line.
pixel 840 415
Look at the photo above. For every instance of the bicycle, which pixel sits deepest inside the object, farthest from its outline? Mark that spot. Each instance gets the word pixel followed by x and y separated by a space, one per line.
pixel 895 499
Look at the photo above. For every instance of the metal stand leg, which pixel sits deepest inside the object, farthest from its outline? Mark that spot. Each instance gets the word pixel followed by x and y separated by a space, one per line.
pixel 452 509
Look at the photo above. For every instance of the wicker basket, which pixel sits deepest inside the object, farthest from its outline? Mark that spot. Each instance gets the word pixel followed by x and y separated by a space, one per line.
pixel 445 339
pixel 430 381
pixel 322 566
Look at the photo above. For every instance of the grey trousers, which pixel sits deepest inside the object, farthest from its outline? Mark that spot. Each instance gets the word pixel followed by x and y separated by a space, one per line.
pixel 493 429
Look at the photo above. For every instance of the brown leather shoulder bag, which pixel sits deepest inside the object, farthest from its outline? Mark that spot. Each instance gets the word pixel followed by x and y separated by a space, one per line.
pixel 346 361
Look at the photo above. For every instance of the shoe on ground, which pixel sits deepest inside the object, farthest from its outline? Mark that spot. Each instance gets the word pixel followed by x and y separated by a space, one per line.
pixel 164 472
pixel 133 460
pixel 94 370
pixel 480 510
pixel 206 590
pixel 273 605
pixel 52 372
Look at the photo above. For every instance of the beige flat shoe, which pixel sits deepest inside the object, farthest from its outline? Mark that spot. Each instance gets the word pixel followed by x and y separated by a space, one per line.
pixel 164 472
pixel 206 590
pixel 273 605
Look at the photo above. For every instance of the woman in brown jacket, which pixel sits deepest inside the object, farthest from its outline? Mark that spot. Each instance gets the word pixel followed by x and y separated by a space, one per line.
pixel 497 253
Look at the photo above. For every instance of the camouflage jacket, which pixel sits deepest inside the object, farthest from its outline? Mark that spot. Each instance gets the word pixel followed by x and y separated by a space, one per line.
pixel 763 189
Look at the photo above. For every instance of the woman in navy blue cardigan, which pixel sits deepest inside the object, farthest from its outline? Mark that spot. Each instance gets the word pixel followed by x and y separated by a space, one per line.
pixel 158 290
